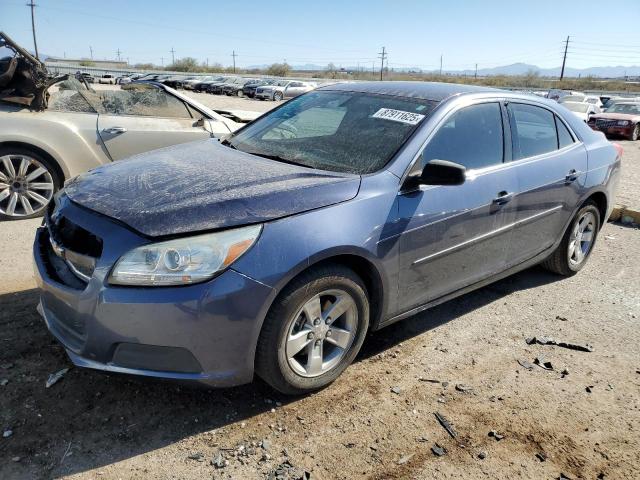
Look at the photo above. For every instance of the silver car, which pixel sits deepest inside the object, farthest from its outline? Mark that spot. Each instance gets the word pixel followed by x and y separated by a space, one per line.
pixel 284 89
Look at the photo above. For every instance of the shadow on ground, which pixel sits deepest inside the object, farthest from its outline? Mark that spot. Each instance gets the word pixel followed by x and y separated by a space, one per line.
pixel 105 418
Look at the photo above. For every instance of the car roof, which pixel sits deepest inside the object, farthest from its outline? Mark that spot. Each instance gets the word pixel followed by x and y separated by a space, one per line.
pixel 425 90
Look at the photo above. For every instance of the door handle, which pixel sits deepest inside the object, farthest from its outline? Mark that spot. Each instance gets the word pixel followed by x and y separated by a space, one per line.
pixel 572 176
pixel 114 130
pixel 502 198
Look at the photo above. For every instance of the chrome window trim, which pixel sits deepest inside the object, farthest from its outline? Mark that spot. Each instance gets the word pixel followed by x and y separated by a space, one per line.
pixel 491 168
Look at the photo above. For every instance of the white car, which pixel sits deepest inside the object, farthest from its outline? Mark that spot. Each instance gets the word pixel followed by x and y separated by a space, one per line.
pixel 582 98
pixel 108 79
pixel 283 89
pixel 47 140
pixel 582 110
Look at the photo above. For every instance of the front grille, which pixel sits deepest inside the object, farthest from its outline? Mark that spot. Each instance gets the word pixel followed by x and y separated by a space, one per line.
pixel 73 247
pixel 605 123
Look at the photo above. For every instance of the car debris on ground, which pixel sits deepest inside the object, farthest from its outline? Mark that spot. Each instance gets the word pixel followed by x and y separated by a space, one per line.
pixel 438 450
pixel 551 341
pixel 55 377
pixel 446 425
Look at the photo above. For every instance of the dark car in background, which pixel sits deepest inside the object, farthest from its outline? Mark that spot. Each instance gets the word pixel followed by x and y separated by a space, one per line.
pixel 249 90
pixel 237 88
pixel 622 119
pixel 204 85
pixel 340 212
pixel 216 87
pixel 177 81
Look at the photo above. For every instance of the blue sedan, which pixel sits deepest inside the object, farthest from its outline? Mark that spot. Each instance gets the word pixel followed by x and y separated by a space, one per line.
pixel 340 212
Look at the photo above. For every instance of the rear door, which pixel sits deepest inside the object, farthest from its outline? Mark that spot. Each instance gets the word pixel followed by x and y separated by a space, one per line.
pixel 144 117
pixel 294 89
pixel 550 164
pixel 458 235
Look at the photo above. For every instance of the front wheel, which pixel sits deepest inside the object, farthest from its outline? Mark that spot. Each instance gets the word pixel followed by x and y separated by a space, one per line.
pixel 240 93
pixel 313 331
pixel 636 133
pixel 577 243
pixel 277 96
pixel 27 183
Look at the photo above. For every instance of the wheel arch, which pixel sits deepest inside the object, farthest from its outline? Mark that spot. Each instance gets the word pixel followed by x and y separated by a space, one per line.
pixel 364 267
pixel 601 201
pixel 40 151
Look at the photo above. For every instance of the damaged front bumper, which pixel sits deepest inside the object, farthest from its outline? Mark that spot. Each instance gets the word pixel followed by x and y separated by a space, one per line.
pixel 204 333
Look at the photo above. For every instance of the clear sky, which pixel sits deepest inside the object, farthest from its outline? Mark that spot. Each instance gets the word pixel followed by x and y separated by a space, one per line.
pixel 347 33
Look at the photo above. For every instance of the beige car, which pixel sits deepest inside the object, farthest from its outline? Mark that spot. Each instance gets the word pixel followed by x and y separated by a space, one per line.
pixel 81 129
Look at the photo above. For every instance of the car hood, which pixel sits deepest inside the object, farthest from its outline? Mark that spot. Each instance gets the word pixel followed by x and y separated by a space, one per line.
pixel 617 116
pixel 205 186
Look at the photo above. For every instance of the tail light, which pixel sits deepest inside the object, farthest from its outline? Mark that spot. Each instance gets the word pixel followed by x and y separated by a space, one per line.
pixel 618 149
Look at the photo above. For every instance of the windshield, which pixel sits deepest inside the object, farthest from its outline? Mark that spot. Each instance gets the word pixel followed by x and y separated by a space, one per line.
pixel 339 131
pixel 577 107
pixel 631 108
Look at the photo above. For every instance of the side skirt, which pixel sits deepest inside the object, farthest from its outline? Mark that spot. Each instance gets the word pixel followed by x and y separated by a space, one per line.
pixel 482 283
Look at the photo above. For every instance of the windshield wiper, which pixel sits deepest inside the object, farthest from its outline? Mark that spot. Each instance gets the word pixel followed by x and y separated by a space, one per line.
pixel 278 158
pixel 227 143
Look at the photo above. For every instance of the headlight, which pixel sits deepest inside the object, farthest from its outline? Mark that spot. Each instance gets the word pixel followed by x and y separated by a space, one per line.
pixel 185 260
pixel 623 123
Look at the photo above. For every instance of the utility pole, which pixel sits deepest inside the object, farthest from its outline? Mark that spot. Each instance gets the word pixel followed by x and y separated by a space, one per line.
pixel 173 56
pixel 234 61
pixel 564 59
pixel 118 52
pixel 33 26
pixel 91 52
pixel 383 55
pixel 162 61
pixel 475 75
pixel 440 64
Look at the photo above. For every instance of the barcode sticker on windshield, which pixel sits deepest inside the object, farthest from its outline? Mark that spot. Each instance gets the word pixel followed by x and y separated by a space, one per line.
pixel 398 116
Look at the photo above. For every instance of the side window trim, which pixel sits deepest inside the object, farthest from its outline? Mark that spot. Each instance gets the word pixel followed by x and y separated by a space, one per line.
pixel 411 167
pixel 571 132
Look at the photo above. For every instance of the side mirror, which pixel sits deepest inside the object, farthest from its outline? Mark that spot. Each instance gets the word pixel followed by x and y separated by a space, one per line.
pixel 443 172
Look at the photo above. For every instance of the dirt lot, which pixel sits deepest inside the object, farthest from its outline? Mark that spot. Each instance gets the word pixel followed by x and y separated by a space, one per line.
pixel 459 359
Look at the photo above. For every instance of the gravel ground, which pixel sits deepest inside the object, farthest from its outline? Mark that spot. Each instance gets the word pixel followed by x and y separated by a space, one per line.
pixel 377 421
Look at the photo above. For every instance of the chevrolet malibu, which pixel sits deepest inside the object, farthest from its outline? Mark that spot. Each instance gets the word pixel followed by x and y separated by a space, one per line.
pixel 342 211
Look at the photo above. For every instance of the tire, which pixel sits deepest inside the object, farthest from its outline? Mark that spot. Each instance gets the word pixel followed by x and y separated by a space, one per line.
pixel 240 93
pixel 288 326
pixel 26 195
pixel 636 132
pixel 568 261
pixel 277 96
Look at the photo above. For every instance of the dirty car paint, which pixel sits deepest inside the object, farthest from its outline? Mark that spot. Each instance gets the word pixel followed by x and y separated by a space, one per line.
pixel 205 186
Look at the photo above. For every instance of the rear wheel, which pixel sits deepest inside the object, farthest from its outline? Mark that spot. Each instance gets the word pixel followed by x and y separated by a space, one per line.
pixel 27 183
pixel 240 93
pixel 313 331
pixel 577 243
pixel 636 133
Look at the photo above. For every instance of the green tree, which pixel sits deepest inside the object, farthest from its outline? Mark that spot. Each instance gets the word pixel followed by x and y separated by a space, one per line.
pixel 186 64
pixel 279 69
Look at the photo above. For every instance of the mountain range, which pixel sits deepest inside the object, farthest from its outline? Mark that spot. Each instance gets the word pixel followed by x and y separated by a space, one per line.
pixel 512 69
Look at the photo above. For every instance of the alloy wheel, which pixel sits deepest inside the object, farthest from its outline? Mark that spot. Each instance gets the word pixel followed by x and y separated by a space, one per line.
pixel 26 186
pixel 581 239
pixel 321 333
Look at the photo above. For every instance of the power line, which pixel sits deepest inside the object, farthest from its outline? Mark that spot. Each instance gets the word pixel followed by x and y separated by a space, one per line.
pixel 383 55
pixel 33 26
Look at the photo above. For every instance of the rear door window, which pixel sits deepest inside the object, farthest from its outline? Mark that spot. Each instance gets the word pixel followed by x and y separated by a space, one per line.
pixel 564 136
pixel 533 130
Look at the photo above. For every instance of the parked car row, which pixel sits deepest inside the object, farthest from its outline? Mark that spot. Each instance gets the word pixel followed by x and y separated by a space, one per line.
pixel 615 116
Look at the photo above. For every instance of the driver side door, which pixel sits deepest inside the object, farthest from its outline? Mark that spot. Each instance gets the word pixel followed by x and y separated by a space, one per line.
pixel 455 236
